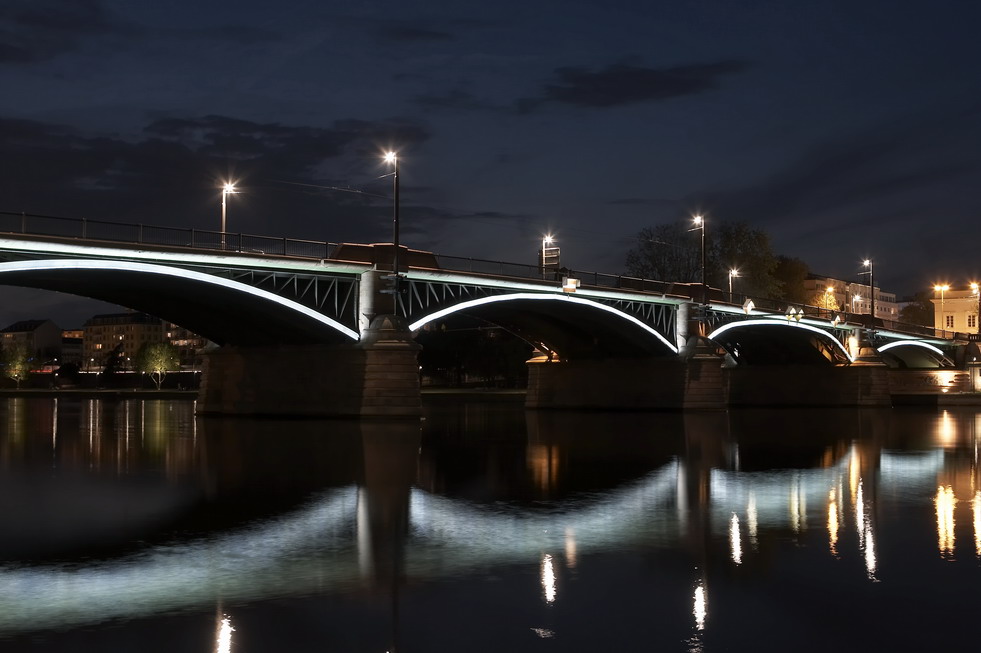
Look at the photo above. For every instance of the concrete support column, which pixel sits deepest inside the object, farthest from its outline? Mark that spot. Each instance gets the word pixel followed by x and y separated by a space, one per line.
pixel 681 325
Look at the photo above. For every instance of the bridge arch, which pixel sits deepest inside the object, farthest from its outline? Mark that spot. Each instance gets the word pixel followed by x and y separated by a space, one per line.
pixel 222 310
pixel 573 327
pixel 769 341
pixel 913 354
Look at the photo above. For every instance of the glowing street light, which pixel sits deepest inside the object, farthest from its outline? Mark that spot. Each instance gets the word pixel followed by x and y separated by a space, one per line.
pixel 942 288
pixel 868 263
pixel 226 190
pixel 732 273
pixel 700 225
pixel 393 159
pixel 829 296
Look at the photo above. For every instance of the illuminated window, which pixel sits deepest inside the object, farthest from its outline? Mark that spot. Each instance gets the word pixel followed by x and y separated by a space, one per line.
pixel 950 321
pixel 972 321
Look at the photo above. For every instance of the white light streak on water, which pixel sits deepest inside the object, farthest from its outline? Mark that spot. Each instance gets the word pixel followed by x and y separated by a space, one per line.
pixel 735 545
pixel 548 578
pixel 225 630
pixel 700 609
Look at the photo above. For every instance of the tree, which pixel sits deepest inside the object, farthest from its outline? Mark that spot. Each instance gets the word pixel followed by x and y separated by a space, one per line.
pixel 156 359
pixel 672 252
pixel 824 300
pixel 736 245
pixel 16 362
pixel 919 311
pixel 791 273
pixel 666 252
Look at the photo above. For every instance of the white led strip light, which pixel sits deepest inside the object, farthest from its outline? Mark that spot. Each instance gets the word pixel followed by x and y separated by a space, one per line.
pixel 536 297
pixel 146 268
pixel 792 325
pixel 911 342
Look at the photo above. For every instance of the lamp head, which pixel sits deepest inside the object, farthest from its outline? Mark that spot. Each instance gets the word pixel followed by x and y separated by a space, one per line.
pixel 228 188
pixel 391 157
pixel 697 219
pixel 547 239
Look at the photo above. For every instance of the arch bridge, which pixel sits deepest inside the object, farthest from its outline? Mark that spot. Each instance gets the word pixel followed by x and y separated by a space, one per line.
pixel 255 293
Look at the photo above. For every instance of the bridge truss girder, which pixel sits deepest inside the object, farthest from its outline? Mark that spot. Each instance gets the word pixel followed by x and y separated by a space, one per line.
pixel 333 296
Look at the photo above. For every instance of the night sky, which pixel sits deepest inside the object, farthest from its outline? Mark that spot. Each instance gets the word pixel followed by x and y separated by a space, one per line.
pixel 842 129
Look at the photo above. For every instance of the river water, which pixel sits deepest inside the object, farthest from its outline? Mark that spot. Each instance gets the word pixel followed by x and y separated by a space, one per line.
pixel 136 526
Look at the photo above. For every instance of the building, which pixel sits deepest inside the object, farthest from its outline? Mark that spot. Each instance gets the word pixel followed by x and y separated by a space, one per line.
pixel 848 297
pixel 187 344
pixel 71 346
pixel 956 310
pixel 41 339
pixel 120 335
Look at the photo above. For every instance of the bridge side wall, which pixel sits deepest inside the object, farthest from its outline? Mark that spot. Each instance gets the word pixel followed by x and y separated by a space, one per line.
pixel 614 384
pixel 700 383
pixel 808 385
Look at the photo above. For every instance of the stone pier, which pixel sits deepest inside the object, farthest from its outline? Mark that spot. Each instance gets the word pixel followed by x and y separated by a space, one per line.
pixel 377 377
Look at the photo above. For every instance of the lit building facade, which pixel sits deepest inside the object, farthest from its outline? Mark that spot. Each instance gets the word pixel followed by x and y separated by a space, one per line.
pixel 41 338
pixel 119 334
pixel 188 345
pixel 849 297
pixel 956 310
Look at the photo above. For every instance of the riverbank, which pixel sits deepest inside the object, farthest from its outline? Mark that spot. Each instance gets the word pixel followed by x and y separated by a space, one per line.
pixel 100 393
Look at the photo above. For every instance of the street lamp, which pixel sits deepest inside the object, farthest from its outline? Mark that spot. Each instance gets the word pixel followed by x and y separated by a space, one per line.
pixel 829 295
pixel 700 225
pixel 226 190
pixel 392 158
pixel 942 288
pixel 868 263
pixel 732 273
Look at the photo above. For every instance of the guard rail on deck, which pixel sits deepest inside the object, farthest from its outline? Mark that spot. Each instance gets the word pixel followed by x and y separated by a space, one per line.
pixel 140 234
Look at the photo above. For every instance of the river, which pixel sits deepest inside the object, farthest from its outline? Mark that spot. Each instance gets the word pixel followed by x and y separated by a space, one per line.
pixel 133 525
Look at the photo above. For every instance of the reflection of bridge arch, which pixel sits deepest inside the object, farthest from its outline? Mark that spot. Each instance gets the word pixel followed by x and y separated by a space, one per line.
pixel 574 327
pixel 223 310
pixel 275 557
pixel 765 341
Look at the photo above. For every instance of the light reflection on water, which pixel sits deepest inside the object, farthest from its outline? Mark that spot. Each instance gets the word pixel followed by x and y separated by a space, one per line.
pixel 138 511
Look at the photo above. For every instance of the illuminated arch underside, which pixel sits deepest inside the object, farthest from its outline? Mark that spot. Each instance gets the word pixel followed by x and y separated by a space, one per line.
pixel 224 311
pixel 913 354
pixel 767 342
pixel 572 327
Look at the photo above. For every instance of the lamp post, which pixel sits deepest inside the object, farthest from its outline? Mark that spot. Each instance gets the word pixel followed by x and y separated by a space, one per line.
pixel 942 288
pixel 700 225
pixel 868 263
pixel 828 298
pixel 226 190
pixel 732 273
pixel 392 157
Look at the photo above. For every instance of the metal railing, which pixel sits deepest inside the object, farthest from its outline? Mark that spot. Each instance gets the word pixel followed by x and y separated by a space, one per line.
pixel 140 234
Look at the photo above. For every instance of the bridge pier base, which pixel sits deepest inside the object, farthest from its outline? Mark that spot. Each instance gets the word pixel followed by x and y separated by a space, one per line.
pixel 378 377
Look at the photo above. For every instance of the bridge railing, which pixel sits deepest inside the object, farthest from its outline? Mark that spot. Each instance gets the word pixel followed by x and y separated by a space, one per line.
pixel 139 234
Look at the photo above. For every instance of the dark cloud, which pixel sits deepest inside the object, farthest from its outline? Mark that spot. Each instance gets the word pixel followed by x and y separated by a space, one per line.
pixel 456 99
pixel 642 201
pixel 38 30
pixel 170 175
pixel 410 33
pixel 626 83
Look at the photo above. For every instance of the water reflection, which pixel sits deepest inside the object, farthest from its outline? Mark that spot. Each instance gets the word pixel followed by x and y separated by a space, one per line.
pixel 182 513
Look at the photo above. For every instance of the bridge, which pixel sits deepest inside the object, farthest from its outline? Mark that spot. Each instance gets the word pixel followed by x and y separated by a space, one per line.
pixel 334 320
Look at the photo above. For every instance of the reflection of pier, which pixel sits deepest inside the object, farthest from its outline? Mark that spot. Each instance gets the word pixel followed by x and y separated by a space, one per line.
pixel 721 495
